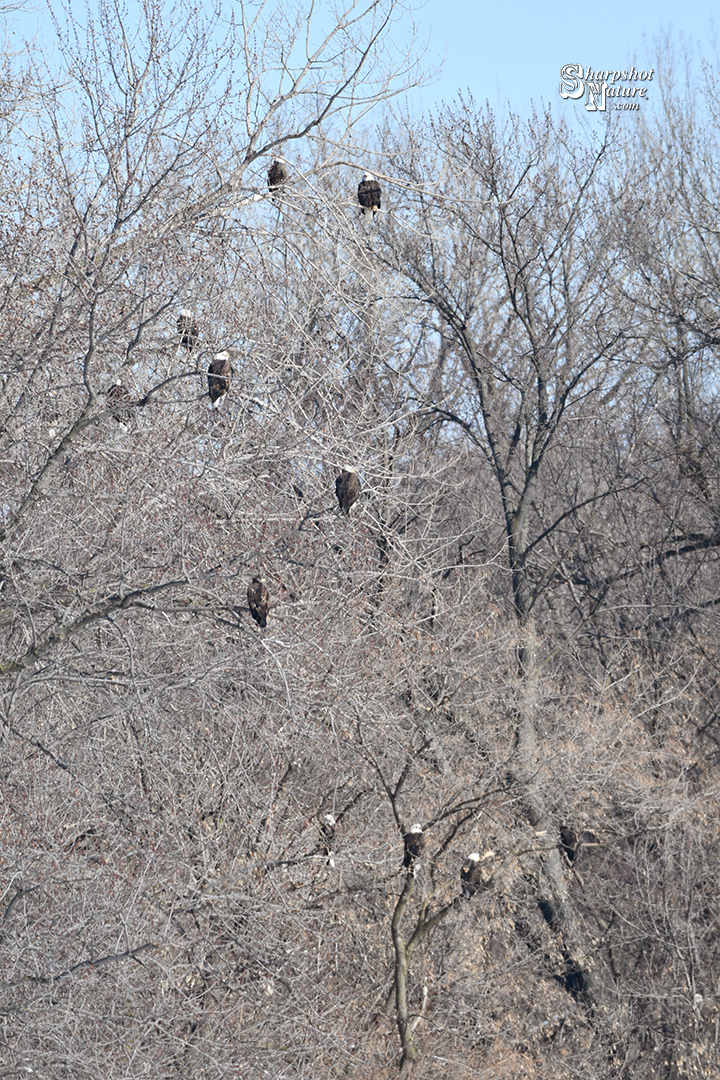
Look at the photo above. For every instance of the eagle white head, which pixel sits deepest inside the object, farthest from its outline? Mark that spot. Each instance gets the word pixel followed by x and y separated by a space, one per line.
pixel 330 821
pixel 186 312
pixel 369 176
pixel 474 857
pixel 221 356
pixel 347 468
pixel 416 828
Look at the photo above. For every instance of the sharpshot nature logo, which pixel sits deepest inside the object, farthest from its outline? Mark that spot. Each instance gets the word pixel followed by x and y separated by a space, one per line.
pixel 599 86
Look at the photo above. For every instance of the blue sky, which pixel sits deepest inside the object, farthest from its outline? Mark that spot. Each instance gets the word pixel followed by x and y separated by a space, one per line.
pixel 513 52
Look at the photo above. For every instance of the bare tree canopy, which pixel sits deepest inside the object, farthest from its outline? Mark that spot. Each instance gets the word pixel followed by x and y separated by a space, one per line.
pixel 258 704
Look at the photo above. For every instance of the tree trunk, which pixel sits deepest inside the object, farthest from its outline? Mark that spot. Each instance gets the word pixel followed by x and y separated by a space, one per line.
pixel 580 977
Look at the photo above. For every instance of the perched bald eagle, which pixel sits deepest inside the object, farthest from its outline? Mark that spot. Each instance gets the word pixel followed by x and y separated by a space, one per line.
pixel 118 397
pixel 474 876
pixel 569 842
pixel 188 329
pixel 277 175
pixel 219 374
pixel 327 828
pixel 257 597
pixel 414 846
pixel 471 876
pixel 347 489
pixel 369 195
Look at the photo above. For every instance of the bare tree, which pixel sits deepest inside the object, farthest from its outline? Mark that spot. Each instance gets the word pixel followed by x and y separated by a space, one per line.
pixel 203 817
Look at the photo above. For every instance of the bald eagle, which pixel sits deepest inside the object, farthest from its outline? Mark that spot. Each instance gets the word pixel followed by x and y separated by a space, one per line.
pixel 569 842
pixel 219 374
pixel 474 876
pixel 277 175
pixel 257 597
pixel 369 195
pixel 327 828
pixel 471 876
pixel 347 489
pixel 188 330
pixel 117 397
pixel 414 846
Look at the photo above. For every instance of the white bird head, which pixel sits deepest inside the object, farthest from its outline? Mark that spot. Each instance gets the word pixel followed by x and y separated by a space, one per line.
pixel 369 176
pixel 330 821
pixel 474 857
pixel 416 828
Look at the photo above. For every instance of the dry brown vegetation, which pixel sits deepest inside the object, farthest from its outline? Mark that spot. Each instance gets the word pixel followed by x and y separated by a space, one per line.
pixel 511 638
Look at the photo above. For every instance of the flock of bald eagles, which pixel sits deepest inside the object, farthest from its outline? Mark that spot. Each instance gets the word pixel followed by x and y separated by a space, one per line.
pixel 220 372
pixel 477 872
pixel 369 195
pixel 476 875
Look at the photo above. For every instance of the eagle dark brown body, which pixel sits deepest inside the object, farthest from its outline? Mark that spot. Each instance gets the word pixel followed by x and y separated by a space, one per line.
pixel 477 873
pixel 258 601
pixel 327 828
pixel 369 195
pixel 188 330
pixel 118 396
pixel 219 374
pixel 277 175
pixel 414 846
pixel 471 876
pixel 569 842
pixel 347 489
